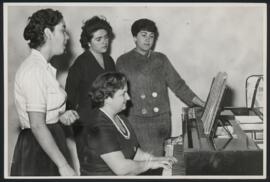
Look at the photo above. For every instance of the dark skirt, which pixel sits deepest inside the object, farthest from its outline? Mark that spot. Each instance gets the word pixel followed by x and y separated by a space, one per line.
pixel 151 132
pixel 29 159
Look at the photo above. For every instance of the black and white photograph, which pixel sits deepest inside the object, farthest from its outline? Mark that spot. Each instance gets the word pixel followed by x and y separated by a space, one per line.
pixel 135 90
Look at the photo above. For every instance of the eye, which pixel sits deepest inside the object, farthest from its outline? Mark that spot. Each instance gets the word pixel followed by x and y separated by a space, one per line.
pixel 106 37
pixel 152 36
pixel 98 39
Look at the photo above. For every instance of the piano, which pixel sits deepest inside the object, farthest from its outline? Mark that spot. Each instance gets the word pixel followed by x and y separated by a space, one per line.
pixel 220 142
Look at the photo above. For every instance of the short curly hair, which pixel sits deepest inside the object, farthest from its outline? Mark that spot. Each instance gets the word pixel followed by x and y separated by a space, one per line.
pixel 91 26
pixel 144 24
pixel 41 19
pixel 106 85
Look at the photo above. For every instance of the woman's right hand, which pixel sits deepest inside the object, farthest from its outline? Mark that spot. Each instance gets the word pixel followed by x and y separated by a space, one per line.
pixel 69 117
pixel 155 164
pixel 66 171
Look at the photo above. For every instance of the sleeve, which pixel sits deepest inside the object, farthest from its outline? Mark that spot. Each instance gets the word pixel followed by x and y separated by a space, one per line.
pixel 72 86
pixel 177 84
pixel 112 63
pixel 104 138
pixel 119 65
pixel 35 91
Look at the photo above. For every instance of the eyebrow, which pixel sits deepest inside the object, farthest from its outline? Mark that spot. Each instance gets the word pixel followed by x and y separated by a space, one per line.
pixel 146 31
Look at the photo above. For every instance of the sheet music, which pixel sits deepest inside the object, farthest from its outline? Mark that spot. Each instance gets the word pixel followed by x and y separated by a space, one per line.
pixel 213 101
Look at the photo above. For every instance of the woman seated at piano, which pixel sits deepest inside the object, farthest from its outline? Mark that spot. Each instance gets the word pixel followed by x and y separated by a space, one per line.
pixel 111 146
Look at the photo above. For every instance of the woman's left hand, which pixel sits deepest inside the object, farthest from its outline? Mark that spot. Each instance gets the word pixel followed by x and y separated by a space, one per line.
pixel 69 117
pixel 197 101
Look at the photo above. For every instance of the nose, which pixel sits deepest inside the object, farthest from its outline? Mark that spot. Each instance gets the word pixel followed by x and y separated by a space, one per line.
pixel 105 41
pixel 127 96
pixel 66 36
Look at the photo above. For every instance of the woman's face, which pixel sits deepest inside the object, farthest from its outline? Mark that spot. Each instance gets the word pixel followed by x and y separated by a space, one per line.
pixel 99 42
pixel 59 38
pixel 144 41
pixel 119 99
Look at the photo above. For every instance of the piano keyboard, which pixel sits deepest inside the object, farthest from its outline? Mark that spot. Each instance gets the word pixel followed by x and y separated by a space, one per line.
pixel 178 168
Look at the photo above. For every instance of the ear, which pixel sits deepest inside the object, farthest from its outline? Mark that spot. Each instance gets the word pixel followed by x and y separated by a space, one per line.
pixel 47 34
pixel 107 100
pixel 135 39
pixel 89 44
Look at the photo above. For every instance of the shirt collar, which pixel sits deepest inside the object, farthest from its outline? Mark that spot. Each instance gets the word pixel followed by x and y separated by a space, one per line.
pixel 147 56
pixel 44 61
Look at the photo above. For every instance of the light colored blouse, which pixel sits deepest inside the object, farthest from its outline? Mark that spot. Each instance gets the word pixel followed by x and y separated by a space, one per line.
pixel 37 90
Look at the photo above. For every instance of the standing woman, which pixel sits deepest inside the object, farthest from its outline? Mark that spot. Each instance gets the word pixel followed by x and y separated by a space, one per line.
pixel 95 40
pixel 45 147
pixel 151 74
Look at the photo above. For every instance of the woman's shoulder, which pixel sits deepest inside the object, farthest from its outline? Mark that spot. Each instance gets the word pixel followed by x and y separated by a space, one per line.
pixel 125 57
pixel 109 59
pixel 30 69
pixel 158 54
pixel 80 62
pixel 99 119
pixel 125 61
pixel 82 58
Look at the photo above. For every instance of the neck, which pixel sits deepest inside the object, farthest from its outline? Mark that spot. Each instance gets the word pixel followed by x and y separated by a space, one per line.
pixel 109 111
pixel 142 52
pixel 98 56
pixel 46 53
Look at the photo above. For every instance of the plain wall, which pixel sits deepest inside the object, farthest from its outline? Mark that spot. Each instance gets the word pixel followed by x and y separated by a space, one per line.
pixel 200 40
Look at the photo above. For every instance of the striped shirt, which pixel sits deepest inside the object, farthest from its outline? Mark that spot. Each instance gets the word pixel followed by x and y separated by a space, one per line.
pixel 37 90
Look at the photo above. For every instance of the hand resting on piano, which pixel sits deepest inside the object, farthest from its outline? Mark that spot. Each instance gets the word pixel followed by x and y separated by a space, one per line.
pixel 153 162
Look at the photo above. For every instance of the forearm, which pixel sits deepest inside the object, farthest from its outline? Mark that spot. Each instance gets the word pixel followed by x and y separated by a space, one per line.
pixel 133 167
pixel 141 155
pixel 47 143
pixel 73 152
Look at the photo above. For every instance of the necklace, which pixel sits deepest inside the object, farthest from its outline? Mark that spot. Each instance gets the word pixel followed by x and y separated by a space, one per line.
pixel 125 133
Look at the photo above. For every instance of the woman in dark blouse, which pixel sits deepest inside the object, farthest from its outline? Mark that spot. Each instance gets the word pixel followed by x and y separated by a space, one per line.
pixel 110 144
pixel 95 39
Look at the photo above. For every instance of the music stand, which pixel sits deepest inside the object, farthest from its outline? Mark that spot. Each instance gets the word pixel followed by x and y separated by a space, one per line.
pixel 210 117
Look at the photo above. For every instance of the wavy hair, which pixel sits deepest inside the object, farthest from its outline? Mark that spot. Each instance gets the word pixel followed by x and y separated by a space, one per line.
pixel 41 19
pixel 91 26
pixel 105 85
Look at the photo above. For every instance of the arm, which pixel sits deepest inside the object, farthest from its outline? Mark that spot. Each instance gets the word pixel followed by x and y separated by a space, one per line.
pixel 197 101
pixel 144 156
pixel 74 155
pixel 72 86
pixel 179 86
pixel 122 166
pixel 41 132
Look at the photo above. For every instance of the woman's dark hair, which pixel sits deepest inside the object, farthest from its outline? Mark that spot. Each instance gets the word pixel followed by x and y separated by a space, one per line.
pixel 105 85
pixel 91 26
pixel 144 24
pixel 41 19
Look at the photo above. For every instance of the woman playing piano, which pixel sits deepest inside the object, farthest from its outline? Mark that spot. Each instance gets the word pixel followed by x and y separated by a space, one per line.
pixel 111 146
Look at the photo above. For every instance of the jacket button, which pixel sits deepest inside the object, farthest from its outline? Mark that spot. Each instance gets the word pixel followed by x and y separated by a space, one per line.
pixel 143 96
pixel 144 111
pixel 154 94
pixel 156 109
